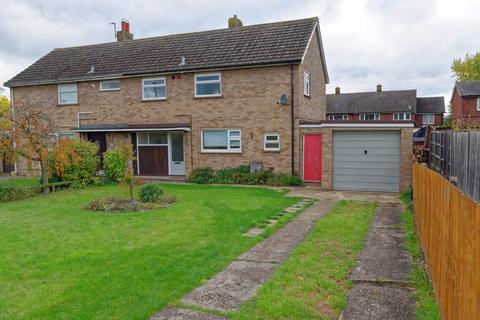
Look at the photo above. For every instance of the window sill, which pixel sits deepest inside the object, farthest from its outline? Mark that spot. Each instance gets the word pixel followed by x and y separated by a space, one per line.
pixel 67 104
pixel 307 95
pixel 108 90
pixel 271 151
pixel 221 151
pixel 150 100
pixel 209 96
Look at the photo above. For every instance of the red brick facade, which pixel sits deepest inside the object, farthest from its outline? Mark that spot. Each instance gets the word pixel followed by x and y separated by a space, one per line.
pixel 464 111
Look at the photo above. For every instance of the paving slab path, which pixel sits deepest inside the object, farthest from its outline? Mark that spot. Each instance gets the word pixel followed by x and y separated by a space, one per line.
pixel 382 287
pixel 239 281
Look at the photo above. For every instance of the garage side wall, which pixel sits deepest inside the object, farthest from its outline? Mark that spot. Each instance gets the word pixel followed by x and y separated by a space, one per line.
pixel 406 147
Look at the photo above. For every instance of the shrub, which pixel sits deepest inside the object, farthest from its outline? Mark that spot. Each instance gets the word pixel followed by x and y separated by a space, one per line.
pixel 168 200
pixel 112 204
pixel 11 191
pixel 150 192
pixel 202 175
pixel 242 175
pixel 114 165
pixel 83 170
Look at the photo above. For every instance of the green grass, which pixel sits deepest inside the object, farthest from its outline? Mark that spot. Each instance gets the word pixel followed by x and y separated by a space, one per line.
pixel 22 181
pixel 313 282
pixel 59 261
pixel 426 306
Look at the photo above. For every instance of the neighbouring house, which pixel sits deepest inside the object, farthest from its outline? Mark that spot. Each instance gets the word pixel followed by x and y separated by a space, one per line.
pixel 388 106
pixel 218 98
pixel 465 104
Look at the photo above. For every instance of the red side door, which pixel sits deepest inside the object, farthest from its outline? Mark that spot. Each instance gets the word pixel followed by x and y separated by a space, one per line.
pixel 312 157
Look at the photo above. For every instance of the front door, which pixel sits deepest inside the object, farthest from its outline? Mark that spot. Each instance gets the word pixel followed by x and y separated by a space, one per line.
pixel 8 167
pixel 100 139
pixel 153 160
pixel 312 157
pixel 177 161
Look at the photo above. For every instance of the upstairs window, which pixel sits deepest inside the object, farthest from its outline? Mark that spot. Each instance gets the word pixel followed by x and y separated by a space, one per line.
pixel 369 116
pixel 109 85
pixel 271 142
pixel 221 140
pixel 208 85
pixel 478 104
pixel 67 93
pixel 154 89
pixel 338 117
pixel 405 116
pixel 428 119
pixel 306 84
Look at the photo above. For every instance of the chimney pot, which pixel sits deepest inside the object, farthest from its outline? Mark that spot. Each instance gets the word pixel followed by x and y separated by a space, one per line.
pixel 337 90
pixel 379 88
pixel 124 33
pixel 234 22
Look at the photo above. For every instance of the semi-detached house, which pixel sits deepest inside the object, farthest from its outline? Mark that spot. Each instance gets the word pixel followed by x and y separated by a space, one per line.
pixel 219 98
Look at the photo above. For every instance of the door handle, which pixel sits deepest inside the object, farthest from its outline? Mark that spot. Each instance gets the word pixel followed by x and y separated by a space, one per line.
pixel 365 151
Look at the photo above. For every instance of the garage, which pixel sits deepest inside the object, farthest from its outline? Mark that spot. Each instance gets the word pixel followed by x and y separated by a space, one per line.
pixel 366 160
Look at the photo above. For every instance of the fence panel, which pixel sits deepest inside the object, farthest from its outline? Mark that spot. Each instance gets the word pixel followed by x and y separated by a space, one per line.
pixel 457 154
pixel 448 225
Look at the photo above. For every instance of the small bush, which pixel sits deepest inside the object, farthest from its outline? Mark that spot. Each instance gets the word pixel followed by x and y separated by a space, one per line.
pixel 202 175
pixel 11 191
pixel 113 165
pixel 150 192
pixel 113 204
pixel 168 200
pixel 83 170
pixel 242 175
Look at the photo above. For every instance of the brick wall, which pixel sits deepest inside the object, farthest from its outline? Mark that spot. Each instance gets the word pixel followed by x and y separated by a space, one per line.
pixel 464 111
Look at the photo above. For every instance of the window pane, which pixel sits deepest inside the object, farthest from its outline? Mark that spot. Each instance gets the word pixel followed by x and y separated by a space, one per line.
pixel 68 97
pixel 142 138
pixel 235 144
pixel 110 85
pixel 177 147
pixel 67 87
pixel 208 89
pixel 158 138
pixel 69 135
pixel 215 140
pixel 271 145
pixel 235 133
pixel 272 138
pixel 154 92
pixel 208 77
pixel 154 82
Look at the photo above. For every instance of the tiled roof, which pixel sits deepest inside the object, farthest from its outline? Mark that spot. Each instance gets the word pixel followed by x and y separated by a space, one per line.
pixel 360 102
pixel 468 88
pixel 262 44
pixel 431 105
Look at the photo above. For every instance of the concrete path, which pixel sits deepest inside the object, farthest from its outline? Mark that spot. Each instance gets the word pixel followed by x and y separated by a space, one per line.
pixel 381 289
pixel 239 281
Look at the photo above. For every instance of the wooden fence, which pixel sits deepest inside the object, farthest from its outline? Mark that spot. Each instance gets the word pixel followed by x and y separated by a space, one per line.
pixel 448 224
pixel 457 155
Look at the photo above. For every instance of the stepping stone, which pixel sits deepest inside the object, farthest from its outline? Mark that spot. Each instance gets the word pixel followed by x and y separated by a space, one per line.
pixel 228 289
pixel 290 210
pixel 368 301
pixel 183 314
pixel 253 232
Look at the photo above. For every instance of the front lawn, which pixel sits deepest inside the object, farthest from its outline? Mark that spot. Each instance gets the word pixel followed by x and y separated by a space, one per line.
pixel 59 261
pixel 313 282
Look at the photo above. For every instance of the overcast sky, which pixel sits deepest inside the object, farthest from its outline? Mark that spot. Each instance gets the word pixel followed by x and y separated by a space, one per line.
pixel 402 44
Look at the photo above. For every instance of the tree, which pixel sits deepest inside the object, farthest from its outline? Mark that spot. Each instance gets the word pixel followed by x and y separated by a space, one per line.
pixel 129 179
pixel 468 68
pixel 28 134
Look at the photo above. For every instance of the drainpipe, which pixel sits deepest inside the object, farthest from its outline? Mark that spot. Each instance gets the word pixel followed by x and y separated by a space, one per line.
pixel 12 105
pixel 292 78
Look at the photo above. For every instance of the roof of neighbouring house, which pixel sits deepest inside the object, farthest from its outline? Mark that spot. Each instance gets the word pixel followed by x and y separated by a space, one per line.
pixel 468 88
pixel 262 44
pixel 431 105
pixel 361 102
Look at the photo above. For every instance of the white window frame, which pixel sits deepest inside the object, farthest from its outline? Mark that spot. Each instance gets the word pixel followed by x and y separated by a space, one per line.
pixel 154 86
pixel 59 90
pixel 229 139
pixel 148 139
pixel 333 116
pixel 265 141
pixel 111 89
pixel 219 81
pixel 63 134
pixel 428 114
pixel 402 116
pixel 478 104
pixel 306 83
pixel 376 116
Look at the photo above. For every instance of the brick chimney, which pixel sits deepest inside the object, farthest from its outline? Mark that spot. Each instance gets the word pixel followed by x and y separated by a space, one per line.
pixel 124 33
pixel 234 22
pixel 337 90
pixel 379 88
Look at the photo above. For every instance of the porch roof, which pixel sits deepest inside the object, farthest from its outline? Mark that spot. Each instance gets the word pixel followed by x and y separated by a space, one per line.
pixel 134 127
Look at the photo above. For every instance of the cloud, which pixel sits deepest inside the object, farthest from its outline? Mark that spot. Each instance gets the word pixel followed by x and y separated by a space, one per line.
pixel 401 44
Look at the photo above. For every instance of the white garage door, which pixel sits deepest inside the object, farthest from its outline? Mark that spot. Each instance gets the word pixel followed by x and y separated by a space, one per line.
pixel 366 160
